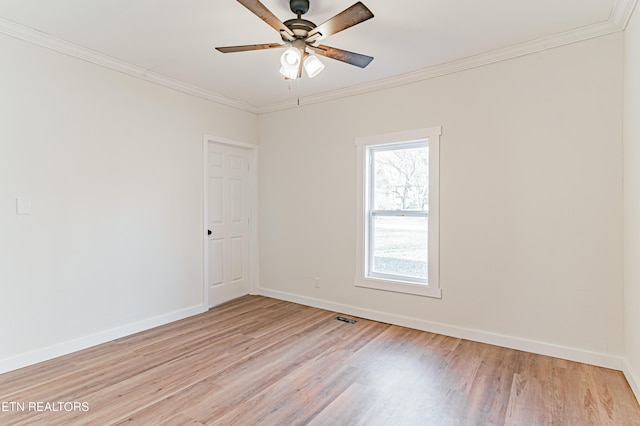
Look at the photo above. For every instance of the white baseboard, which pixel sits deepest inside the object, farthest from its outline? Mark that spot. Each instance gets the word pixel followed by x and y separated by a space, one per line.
pixel 44 354
pixel 633 378
pixel 571 354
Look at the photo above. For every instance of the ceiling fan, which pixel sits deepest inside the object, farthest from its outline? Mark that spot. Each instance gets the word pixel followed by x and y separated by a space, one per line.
pixel 300 37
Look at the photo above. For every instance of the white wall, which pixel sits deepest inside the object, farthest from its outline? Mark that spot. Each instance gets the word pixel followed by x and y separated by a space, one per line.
pixel 113 166
pixel 632 201
pixel 531 198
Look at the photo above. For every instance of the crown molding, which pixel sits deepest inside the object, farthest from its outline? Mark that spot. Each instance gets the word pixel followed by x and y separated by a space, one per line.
pixel 39 38
pixel 562 39
pixel 620 15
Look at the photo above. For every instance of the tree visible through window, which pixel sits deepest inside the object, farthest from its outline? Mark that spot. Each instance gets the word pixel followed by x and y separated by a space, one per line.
pixel 398 211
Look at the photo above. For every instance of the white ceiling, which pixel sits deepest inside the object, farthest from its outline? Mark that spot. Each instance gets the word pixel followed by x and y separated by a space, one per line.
pixel 172 41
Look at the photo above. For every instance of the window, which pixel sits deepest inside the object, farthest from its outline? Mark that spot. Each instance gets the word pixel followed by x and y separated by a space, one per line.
pixel 397 211
pixel 397 247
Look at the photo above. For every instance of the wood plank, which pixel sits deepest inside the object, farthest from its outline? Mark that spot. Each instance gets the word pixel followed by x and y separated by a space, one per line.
pixel 115 351
pixel 256 360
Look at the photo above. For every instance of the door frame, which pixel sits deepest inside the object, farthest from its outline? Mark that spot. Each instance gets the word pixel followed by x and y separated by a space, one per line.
pixel 252 150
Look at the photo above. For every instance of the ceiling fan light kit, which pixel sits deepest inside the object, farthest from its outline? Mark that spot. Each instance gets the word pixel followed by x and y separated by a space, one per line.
pixel 290 61
pixel 291 57
pixel 300 37
pixel 313 66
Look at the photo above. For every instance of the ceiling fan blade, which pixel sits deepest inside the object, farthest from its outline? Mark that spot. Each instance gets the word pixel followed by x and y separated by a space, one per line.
pixel 248 47
pixel 347 18
pixel 261 11
pixel 342 55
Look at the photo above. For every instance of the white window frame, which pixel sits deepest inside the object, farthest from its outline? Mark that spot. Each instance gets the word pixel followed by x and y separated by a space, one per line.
pixel 378 281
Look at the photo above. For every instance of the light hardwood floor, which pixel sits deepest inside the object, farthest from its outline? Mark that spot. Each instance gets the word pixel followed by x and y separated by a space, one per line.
pixel 260 361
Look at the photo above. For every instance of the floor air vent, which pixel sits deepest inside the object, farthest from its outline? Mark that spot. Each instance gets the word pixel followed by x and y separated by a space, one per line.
pixel 349 320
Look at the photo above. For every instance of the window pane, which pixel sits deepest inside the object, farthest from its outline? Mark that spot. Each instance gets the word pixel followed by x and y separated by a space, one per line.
pixel 400 246
pixel 401 179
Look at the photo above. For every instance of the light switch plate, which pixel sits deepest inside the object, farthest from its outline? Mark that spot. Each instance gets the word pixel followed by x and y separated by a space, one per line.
pixel 23 206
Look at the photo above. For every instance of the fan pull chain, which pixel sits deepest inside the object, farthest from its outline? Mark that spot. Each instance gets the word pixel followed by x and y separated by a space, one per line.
pixel 297 88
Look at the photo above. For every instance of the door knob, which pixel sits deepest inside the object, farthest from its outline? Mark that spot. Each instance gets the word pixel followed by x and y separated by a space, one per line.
pixel 209 232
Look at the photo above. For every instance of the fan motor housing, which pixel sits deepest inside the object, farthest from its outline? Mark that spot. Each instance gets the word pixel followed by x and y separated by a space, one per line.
pixel 300 27
pixel 299 7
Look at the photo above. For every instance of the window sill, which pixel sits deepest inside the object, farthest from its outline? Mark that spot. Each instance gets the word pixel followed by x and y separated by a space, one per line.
pixel 399 287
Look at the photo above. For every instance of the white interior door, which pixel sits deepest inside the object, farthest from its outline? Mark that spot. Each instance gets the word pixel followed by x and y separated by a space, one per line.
pixel 228 222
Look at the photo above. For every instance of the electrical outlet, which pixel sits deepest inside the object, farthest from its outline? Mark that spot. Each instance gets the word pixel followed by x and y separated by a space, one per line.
pixel 317 281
